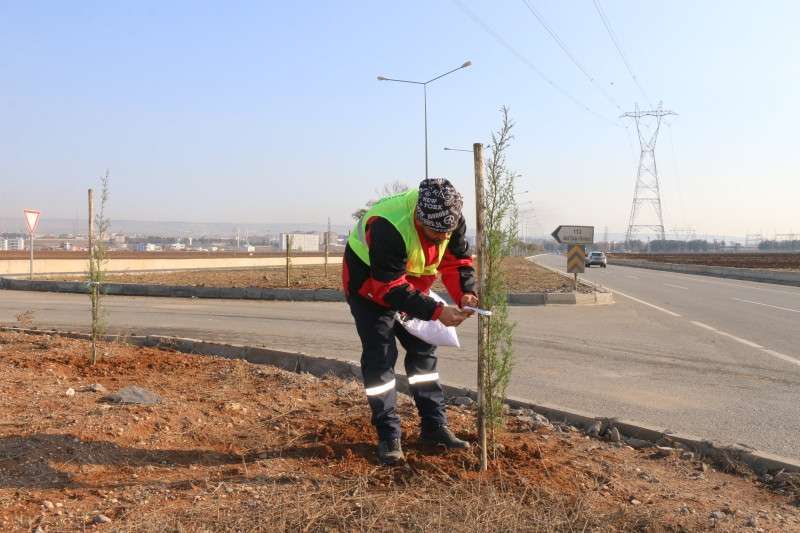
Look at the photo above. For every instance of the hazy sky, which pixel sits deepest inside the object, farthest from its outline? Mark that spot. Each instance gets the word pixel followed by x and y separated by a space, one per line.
pixel 270 111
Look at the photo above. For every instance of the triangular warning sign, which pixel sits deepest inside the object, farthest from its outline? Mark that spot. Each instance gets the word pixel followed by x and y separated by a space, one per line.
pixel 32 219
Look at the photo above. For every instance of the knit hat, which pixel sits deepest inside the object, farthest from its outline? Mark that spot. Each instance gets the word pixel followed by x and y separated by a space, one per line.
pixel 439 205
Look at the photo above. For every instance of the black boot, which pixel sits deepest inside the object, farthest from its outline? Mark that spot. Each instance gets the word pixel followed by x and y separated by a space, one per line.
pixel 390 452
pixel 436 435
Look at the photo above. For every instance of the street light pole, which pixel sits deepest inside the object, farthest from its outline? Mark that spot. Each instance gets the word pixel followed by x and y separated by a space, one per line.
pixel 425 100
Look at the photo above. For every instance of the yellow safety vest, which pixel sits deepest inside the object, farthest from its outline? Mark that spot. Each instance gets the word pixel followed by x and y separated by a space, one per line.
pixel 399 211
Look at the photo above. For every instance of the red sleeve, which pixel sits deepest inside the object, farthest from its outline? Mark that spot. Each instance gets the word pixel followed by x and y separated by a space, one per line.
pixel 451 268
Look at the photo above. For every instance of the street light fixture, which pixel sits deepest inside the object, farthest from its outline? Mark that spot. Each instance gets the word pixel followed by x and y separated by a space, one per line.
pixel 457 149
pixel 425 97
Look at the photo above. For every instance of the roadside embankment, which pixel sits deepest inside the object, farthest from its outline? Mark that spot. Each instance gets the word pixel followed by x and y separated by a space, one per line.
pixel 222 442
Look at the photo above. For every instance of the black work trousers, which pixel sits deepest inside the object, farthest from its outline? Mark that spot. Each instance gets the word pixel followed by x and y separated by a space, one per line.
pixel 378 330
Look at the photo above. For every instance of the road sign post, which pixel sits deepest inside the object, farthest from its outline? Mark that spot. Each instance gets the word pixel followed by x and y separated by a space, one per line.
pixel 32 220
pixel 577 237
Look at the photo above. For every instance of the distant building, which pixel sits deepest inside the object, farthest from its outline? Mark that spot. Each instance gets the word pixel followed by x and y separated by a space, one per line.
pixel 301 242
pixel 146 247
pixel 15 245
pixel 3 245
pixel 177 246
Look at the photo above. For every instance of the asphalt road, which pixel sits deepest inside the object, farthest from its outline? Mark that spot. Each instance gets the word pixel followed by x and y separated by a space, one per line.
pixel 683 355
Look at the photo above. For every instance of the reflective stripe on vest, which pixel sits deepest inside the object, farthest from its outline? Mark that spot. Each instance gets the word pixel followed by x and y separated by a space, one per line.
pixel 399 210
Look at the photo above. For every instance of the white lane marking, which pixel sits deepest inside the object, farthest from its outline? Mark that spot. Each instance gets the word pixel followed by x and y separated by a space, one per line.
pixel 750 285
pixel 676 286
pixel 734 337
pixel 746 342
pixel 667 311
pixel 751 344
pixel 782 356
pixel 768 305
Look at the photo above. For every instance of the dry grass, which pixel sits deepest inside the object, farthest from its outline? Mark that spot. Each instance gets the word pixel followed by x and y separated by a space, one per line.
pixel 418 502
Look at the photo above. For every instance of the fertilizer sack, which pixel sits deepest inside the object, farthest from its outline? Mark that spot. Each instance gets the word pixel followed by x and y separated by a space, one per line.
pixel 430 331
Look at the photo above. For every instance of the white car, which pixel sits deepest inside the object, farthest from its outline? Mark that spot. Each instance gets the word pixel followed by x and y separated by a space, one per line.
pixel 596 258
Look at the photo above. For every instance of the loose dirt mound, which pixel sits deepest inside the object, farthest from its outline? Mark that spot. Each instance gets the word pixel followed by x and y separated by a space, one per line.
pixel 238 447
pixel 523 276
pixel 776 261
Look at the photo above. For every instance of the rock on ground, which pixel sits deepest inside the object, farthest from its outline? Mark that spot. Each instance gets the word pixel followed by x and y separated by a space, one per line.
pixel 94 387
pixel 465 401
pixel 101 519
pixel 133 394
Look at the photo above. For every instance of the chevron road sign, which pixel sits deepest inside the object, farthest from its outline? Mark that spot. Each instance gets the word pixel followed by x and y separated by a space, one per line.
pixel 576 259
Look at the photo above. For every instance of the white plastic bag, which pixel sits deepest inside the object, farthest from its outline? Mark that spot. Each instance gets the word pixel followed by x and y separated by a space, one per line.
pixel 431 331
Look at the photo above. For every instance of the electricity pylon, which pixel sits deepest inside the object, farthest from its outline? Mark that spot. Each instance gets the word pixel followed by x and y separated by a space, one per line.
pixel 648 189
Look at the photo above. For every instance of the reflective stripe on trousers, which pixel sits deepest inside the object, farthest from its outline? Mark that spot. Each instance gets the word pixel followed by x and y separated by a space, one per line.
pixel 423 378
pixel 380 389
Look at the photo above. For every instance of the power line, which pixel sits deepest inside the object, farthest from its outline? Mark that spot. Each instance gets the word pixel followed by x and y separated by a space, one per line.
pixel 527 62
pixel 614 39
pixel 569 54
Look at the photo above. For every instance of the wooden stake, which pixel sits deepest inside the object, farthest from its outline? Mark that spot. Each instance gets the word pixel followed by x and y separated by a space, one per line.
pixel 31 265
pixel 480 208
pixel 327 239
pixel 92 276
pixel 288 259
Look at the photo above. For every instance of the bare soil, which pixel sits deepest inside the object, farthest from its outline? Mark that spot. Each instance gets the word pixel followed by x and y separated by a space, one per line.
pixel 241 447
pixel 522 275
pixel 770 261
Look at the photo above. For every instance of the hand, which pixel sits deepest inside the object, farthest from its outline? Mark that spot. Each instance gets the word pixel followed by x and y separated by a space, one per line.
pixel 470 300
pixel 452 316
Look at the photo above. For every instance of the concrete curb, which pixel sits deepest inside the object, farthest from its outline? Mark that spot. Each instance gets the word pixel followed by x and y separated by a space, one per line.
pixel 253 293
pixel 600 295
pixel 724 454
pixel 176 291
pixel 746 274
